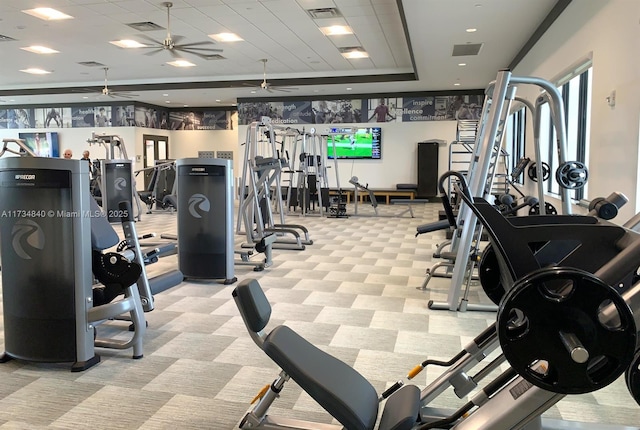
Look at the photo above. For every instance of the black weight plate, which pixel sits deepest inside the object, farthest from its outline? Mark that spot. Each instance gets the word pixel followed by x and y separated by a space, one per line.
pixel 545 307
pixel 532 172
pixel 633 378
pixel 489 274
pixel 549 209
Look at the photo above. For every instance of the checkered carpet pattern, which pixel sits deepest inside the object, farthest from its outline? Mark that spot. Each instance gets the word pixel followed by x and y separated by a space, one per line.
pixel 354 293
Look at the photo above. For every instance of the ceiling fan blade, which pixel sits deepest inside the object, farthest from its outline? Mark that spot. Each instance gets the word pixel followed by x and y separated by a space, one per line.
pixel 201 50
pixel 175 39
pixel 155 51
pixel 174 53
pixel 124 95
pixel 149 39
pixel 83 90
pixel 189 45
pixel 197 54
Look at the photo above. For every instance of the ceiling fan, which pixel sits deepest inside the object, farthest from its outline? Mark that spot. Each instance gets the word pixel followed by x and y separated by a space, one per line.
pixel 106 91
pixel 169 43
pixel 264 85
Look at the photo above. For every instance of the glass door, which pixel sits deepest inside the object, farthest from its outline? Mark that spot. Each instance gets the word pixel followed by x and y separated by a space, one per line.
pixel 155 148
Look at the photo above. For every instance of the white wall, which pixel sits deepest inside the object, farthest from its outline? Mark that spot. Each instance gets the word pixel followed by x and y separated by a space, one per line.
pixel 609 31
pixel 398 163
pixel 399 154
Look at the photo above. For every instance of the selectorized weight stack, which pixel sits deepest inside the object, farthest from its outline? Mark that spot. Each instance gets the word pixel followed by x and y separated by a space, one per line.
pixel 205 218
pixel 46 261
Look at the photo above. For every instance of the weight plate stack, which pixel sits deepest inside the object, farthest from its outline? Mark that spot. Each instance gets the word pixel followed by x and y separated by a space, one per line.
pixel 566 331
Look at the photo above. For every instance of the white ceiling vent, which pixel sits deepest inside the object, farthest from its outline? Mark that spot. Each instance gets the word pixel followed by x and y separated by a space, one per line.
pixel 145 26
pixel 467 49
pixel 215 57
pixel 323 13
pixel 91 64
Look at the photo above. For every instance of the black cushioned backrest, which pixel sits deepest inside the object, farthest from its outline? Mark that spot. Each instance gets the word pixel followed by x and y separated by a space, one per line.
pixel 253 304
pixel 103 235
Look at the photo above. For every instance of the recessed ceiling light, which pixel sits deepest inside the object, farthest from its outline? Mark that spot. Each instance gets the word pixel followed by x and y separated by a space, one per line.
pixel 181 63
pixel 336 30
pixel 462 64
pixel 40 49
pixel 85 97
pixel 218 100
pixel 457 84
pixel 354 53
pixel 167 101
pixel 47 13
pixel 226 37
pixel 185 105
pixel 165 95
pixel 127 43
pixel 471 30
pixel 35 71
pixel 349 88
pixel 253 91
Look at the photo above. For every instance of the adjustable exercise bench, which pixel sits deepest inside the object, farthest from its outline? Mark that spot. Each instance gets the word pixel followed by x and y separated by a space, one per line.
pixel 344 393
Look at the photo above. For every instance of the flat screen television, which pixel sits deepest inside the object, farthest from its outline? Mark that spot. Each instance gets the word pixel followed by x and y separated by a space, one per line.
pixel 355 143
pixel 44 144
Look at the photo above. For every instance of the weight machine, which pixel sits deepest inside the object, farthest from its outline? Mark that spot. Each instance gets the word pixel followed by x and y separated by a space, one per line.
pixel 562 329
pixel 163 177
pixel 114 179
pixel 259 185
pixel 22 151
pixel 312 184
pixel 499 96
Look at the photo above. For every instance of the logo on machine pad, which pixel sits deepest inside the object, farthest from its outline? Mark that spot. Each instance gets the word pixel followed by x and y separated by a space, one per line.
pixel 198 202
pixel 29 234
pixel 120 184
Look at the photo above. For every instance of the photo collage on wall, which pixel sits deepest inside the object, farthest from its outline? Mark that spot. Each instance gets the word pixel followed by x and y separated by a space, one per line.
pixel 134 115
pixel 336 111
pixel 381 109
pixel 16 118
pixel 200 120
pixel 100 116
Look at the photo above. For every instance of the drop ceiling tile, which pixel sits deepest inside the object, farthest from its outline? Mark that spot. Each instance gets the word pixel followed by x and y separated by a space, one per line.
pixel 316 4
pixel 201 3
pixel 277 6
pixel 251 7
pixel 218 11
pixel 354 10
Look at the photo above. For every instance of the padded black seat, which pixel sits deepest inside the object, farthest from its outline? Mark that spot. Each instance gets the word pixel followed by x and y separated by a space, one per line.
pixel 338 388
pixel 402 409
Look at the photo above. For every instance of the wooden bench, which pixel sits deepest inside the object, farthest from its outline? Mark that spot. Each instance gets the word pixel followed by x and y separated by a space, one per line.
pixel 387 194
